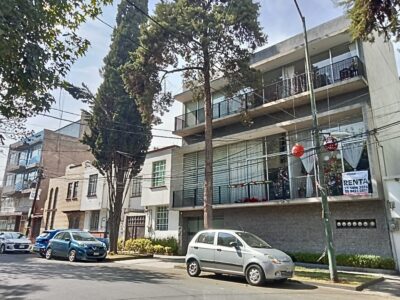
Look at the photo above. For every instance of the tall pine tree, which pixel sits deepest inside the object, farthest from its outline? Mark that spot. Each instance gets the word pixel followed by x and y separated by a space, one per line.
pixel 118 138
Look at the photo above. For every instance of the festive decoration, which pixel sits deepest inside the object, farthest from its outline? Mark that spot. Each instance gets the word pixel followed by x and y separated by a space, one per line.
pixel 243 184
pixel 330 143
pixel 298 150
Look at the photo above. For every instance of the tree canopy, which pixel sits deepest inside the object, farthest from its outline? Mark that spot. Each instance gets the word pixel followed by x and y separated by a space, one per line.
pixel 118 139
pixel 39 42
pixel 203 39
pixel 369 16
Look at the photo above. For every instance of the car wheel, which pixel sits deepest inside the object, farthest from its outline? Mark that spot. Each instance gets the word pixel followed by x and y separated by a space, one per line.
pixel 72 256
pixel 193 268
pixel 2 249
pixel 49 253
pixel 255 275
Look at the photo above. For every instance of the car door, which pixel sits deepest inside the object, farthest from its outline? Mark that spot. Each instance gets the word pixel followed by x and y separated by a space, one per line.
pixel 64 244
pixel 56 243
pixel 227 257
pixel 204 249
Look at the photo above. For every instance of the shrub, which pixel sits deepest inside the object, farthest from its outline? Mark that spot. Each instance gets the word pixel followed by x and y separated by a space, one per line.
pixel 168 250
pixel 120 245
pixel 158 249
pixel 348 260
pixel 170 242
pixel 140 245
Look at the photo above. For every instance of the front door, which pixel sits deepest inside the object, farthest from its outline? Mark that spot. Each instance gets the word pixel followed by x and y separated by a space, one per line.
pixel 135 226
pixel 227 257
pixel 56 243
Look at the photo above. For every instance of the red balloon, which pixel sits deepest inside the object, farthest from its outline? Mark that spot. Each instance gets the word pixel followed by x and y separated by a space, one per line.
pixel 330 143
pixel 298 150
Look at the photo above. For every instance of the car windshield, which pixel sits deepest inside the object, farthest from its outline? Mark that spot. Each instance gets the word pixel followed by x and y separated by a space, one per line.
pixel 253 240
pixel 13 235
pixel 83 236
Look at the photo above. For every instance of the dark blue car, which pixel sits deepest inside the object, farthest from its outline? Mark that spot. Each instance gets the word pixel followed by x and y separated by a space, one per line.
pixel 43 240
pixel 76 245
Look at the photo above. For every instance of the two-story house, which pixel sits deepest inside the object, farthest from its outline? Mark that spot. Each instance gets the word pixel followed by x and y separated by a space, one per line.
pixel 259 185
pixel 153 189
pixel 78 200
pixel 48 150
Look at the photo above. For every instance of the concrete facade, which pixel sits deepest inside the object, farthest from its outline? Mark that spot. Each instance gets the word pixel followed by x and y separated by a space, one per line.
pixel 48 150
pixel 359 99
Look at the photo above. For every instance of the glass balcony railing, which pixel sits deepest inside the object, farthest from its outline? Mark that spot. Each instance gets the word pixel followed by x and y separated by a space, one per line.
pixel 323 76
pixel 296 188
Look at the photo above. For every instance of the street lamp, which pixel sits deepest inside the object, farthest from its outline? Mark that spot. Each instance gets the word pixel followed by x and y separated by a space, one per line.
pixel 321 180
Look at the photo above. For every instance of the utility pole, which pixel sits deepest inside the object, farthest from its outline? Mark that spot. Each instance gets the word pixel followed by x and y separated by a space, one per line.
pixel 38 181
pixel 321 180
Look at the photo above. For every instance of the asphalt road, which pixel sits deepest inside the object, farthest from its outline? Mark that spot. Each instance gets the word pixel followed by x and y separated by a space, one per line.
pixel 24 276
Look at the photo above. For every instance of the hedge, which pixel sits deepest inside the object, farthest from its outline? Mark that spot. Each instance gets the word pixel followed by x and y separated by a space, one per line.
pixel 158 246
pixel 348 260
pixel 169 242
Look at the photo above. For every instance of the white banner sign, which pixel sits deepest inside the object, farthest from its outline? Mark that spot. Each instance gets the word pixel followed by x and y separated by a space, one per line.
pixel 355 183
pixel 32 194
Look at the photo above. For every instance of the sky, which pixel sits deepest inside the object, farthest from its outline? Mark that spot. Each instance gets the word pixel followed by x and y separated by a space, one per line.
pixel 278 18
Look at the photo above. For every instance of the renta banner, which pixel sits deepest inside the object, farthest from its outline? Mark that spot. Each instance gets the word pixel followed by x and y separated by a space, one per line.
pixel 355 183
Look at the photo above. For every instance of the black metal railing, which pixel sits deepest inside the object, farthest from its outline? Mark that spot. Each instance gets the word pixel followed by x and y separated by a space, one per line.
pixel 323 76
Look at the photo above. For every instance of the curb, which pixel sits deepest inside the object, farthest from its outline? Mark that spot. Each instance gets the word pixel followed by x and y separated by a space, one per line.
pixel 369 283
pixel 349 269
pixel 128 258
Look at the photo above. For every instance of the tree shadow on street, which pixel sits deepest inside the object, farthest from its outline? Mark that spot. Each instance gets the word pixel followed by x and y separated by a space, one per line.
pixel 289 285
pixel 41 269
pixel 18 291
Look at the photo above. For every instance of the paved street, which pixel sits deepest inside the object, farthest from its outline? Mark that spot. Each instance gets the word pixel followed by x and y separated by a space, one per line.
pixel 29 277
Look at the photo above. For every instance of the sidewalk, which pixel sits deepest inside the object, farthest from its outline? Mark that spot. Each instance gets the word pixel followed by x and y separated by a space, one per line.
pixel 389 287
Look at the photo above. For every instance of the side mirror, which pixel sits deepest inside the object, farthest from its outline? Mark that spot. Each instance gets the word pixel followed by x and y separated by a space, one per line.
pixel 67 240
pixel 233 244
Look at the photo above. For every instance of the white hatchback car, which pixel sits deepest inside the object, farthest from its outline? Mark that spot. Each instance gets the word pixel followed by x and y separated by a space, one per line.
pixel 237 253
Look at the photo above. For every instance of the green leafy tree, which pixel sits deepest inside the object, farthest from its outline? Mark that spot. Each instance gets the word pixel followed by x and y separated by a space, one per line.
pixel 118 139
pixel 39 42
pixel 203 39
pixel 369 16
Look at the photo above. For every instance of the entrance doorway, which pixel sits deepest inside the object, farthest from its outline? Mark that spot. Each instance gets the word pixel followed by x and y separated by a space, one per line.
pixel 135 227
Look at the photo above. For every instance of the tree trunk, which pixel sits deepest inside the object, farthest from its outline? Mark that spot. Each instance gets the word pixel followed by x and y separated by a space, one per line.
pixel 208 182
pixel 115 214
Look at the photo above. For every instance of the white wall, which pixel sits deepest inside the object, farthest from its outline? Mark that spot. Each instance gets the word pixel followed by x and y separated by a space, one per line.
pixel 173 224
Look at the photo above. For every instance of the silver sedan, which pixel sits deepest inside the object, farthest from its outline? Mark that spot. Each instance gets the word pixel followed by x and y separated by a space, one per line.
pixel 14 242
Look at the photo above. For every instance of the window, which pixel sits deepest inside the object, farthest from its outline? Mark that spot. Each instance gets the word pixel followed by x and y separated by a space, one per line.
pixel 159 173
pixel 224 239
pixel 69 191
pixel 75 190
pixel 136 187
pixel 59 236
pixel 94 220
pixel 162 218
pixel 92 185
pixel 206 238
pixel 10 180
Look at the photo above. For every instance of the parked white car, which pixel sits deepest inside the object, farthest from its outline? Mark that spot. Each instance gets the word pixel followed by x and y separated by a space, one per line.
pixel 14 242
pixel 237 253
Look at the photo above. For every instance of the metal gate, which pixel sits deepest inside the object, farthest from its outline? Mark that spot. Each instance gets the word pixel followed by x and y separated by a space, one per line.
pixel 135 227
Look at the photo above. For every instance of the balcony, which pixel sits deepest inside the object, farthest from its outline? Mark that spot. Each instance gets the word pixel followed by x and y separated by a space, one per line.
pixel 297 189
pixel 343 76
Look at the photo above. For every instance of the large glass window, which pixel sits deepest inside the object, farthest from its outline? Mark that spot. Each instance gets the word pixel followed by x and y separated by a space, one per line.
pixel 159 173
pixel 75 190
pixel 162 218
pixel 92 185
pixel 69 190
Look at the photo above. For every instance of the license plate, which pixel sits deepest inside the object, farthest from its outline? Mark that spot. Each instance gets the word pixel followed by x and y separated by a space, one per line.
pixel 96 253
